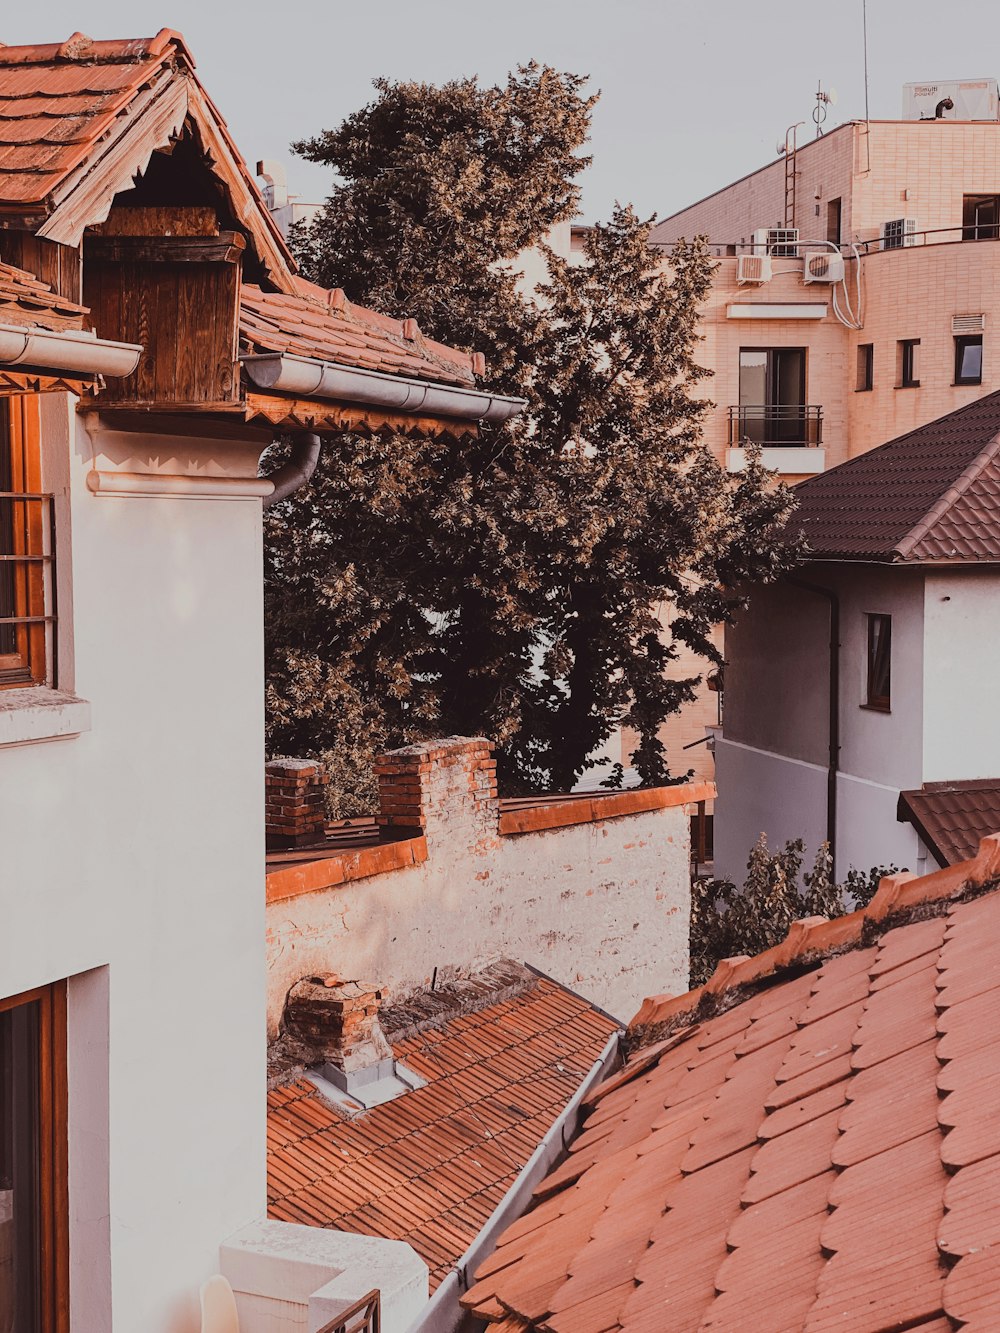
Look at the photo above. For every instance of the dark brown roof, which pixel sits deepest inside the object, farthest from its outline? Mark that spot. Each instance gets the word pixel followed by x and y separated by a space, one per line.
pixel 952 817
pixel 430 1167
pixel 816 1154
pixel 930 495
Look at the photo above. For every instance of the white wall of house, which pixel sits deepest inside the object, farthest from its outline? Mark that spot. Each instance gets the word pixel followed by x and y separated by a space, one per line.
pixel 129 866
pixel 771 760
pixel 961 645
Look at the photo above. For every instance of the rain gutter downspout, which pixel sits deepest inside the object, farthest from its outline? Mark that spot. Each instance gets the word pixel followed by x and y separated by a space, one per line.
pixel 298 470
pixel 442 1313
pixel 833 761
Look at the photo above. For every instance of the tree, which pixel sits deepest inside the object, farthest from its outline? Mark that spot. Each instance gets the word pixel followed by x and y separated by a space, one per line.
pixel 727 922
pixel 508 584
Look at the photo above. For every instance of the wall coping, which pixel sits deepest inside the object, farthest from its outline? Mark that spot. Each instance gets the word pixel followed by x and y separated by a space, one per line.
pixel 344 867
pixel 596 809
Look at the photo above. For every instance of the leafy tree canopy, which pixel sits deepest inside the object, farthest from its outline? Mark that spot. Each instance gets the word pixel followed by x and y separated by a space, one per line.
pixel 509 584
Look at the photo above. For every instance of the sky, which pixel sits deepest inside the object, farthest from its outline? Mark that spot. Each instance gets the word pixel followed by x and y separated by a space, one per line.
pixel 692 95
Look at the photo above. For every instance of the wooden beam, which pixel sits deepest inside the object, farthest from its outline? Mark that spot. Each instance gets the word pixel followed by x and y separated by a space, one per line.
pixel 29 381
pixel 226 248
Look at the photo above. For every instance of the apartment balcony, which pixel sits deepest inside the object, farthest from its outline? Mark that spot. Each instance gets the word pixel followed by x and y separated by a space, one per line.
pixel 790 436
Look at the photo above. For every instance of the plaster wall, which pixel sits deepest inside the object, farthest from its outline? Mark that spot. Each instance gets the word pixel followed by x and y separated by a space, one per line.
pixel 127 851
pixel 602 907
pixel 961 645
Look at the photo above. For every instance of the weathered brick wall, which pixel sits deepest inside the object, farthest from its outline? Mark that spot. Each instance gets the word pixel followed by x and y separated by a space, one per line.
pixel 601 905
pixel 294 802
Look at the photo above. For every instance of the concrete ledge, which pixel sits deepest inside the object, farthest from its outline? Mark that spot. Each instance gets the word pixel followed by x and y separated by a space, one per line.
pixel 561 814
pixel 40 714
pixel 342 868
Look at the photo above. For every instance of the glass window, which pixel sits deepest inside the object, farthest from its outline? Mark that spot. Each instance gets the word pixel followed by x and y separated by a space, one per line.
pixel 772 408
pixel 23 559
pixel 33 1296
pixel 980 217
pixel 879 662
pixel 969 359
pixel 906 367
pixel 866 367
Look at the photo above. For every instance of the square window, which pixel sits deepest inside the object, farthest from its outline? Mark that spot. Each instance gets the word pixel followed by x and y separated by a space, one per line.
pixel 878 694
pixel 969 359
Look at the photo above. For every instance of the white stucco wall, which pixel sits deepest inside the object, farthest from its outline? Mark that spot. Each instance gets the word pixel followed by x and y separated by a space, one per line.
pixel 602 907
pixel 961 646
pixel 127 856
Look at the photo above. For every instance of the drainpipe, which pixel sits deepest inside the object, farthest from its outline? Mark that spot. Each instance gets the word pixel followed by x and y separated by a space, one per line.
pixel 833 762
pixel 298 470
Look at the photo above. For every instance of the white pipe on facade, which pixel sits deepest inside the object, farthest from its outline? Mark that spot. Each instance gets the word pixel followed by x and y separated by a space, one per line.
pixel 189 488
pixel 321 379
pixel 72 352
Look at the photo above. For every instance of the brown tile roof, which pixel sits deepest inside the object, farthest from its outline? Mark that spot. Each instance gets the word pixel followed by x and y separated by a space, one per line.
pixel 930 495
pixel 816 1147
pixel 952 817
pixel 325 326
pixel 25 300
pixel 430 1167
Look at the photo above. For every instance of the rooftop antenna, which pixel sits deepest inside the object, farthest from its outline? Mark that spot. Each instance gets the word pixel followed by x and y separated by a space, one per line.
pixel 823 100
pixel 868 120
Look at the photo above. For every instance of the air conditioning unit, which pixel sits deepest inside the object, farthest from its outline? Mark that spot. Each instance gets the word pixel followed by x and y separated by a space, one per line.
pixel 823 266
pixel 899 232
pixel 753 268
pixel 781 242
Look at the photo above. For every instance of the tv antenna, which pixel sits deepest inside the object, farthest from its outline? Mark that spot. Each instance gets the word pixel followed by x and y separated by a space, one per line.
pixel 823 101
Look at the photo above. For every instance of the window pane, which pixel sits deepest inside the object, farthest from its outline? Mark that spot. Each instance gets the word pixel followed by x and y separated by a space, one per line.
pixel 19 1170
pixel 753 377
pixel 8 633
pixel 879 660
pixel 970 360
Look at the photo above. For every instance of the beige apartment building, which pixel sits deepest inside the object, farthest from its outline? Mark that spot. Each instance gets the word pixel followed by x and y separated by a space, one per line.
pixel 855 299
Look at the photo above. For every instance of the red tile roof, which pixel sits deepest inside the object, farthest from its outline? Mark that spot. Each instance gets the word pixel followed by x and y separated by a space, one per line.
pixel 25 300
pixel 58 101
pixel 930 495
pixel 952 817
pixel 430 1167
pixel 817 1153
pixel 325 326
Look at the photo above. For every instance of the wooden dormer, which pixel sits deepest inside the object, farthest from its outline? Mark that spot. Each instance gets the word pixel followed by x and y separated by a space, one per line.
pixel 168 277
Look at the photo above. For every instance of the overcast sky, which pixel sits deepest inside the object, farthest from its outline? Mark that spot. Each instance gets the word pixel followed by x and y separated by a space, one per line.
pixel 693 95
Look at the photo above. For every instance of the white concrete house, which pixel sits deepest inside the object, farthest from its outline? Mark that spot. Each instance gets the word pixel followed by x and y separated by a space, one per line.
pixel 870 673
pixel 153 340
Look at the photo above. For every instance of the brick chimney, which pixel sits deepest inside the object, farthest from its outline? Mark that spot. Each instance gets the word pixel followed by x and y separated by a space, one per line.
pixel 340 1020
pixel 446 788
pixel 295 803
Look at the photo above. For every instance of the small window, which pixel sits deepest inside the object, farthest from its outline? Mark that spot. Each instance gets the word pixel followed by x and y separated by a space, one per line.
pixel 906 367
pixel 866 367
pixel 980 217
pixel 25 549
pixel 833 221
pixel 879 662
pixel 969 359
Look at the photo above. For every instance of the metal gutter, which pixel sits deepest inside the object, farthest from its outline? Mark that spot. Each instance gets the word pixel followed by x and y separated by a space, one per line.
pixel 322 379
pixel 442 1313
pixel 73 352
pixel 205 487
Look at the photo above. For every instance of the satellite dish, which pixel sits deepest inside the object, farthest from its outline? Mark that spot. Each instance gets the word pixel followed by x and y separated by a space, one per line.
pixel 831 97
pixel 779 147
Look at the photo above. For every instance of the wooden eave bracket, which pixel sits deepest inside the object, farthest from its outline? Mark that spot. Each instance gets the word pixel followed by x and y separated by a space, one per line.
pixel 336 418
pixel 28 381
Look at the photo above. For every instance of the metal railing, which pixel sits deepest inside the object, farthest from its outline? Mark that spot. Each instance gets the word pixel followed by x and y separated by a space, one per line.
pixel 27 587
pixel 778 425
pixel 364 1316
pixel 796 250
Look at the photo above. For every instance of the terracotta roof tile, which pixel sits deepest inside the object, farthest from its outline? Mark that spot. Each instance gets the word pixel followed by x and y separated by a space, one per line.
pixel 325 326
pixel 431 1166
pixel 931 494
pixel 951 817
pixel 859 1193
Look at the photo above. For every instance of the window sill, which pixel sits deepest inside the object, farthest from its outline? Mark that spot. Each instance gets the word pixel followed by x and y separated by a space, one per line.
pixel 966 384
pixel 40 714
pixel 914 385
pixel 876 708
pixel 867 389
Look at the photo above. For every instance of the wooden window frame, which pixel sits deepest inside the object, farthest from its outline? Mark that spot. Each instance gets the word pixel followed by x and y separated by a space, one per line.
pixel 28 663
pixel 879 663
pixel 53 1151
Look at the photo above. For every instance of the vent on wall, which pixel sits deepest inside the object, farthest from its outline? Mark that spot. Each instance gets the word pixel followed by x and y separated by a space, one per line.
pixel 968 323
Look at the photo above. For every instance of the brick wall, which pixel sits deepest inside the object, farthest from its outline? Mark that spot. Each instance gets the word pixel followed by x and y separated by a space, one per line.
pixel 595 893
pixel 294 802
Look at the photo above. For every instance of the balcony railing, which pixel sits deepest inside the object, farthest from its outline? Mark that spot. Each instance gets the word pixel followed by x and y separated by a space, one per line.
pixel 365 1316
pixel 27 586
pixel 776 426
